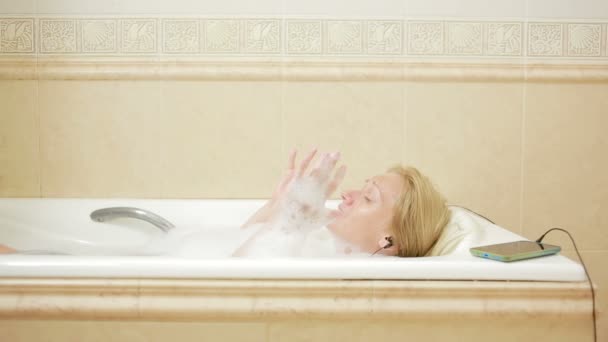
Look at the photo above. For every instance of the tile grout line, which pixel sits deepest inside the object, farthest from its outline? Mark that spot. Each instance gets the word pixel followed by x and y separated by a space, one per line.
pixel 39 134
pixel 35 46
pixel 524 42
pixel 404 112
pixel 522 157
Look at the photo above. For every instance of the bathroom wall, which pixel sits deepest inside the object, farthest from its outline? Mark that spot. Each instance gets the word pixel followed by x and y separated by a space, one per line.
pixel 503 105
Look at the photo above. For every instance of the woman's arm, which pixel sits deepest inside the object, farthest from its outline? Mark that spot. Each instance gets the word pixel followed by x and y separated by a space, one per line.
pixel 270 208
pixel 297 207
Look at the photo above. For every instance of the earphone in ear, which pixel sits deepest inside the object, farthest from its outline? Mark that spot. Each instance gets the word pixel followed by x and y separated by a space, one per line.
pixel 389 242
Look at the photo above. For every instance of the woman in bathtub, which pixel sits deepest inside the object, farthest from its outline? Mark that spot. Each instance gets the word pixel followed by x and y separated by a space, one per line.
pixel 398 213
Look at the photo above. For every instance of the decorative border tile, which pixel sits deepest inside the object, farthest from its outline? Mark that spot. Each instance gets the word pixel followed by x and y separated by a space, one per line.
pixel 180 36
pixel 545 39
pixel 464 38
pixel 425 38
pixel 584 40
pixel 58 36
pixel 99 36
pixel 304 37
pixel 504 39
pixel 222 36
pixel 17 35
pixel 138 36
pixel 262 36
pixel 345 37
pixel 384 37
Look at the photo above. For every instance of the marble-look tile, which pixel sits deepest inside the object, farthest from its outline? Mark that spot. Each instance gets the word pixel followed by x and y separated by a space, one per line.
pixel 116 331
pixel 364 121
pixel 501 329
pixel 596 265
pixel 345 8
pixel 18 7
pixel 566 163
pixel 566 9
pixel 101 139
pixel 222 139
pixel 466 137
pixel 19 146
pixel 465 9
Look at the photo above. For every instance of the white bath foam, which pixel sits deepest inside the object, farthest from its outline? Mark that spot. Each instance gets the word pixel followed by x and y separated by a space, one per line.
pixel 323 243
pixel 200 242
pixel 303 208
pixel 289 235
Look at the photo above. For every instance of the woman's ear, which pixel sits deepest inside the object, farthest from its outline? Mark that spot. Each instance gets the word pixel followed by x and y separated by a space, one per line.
pixel 386 243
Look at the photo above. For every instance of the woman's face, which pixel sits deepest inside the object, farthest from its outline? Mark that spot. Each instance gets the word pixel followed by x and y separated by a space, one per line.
pixel 363 218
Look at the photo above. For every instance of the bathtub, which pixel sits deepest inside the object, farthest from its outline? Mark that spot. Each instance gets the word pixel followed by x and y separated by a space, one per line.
pixel 110 249
pixel 102 283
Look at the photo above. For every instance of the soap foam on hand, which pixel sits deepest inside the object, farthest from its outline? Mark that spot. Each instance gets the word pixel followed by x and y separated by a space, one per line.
pixel 302 211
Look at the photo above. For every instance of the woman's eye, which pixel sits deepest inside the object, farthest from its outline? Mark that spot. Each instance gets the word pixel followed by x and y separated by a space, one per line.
pixel 368 199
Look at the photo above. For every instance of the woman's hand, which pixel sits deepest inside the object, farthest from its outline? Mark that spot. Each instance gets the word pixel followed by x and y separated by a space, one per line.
pixel 308 190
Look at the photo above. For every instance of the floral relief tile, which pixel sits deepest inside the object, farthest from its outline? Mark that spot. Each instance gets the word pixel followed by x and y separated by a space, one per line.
pixel 58 36
pixel 360 37
pixel 584 40
pixel 425 38
pixel 464 38
pixel 304 37
pixel 344 36
pixel 384 37
pixel 221 36
pixel 138 35
pixel 545 39
pixel 262 36
pixel 504 39
pixel 98 36
pixel 180 36
pixel 17 36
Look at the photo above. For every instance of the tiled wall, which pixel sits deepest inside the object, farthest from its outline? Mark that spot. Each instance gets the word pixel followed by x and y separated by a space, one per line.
pixel 503 148
pixel 530 155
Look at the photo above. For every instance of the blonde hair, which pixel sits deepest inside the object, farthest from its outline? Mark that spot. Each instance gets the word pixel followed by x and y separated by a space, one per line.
pixel 420 215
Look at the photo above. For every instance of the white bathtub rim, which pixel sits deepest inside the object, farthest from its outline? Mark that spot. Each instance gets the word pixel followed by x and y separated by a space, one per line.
pixel 552 268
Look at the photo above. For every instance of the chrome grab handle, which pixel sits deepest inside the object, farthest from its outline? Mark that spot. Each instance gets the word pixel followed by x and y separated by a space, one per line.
pixel 106 214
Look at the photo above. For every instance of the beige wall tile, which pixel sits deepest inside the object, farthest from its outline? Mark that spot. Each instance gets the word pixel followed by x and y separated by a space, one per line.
pixel 596 265
pixel 223 139
pixel 89 331
pixel 362 120
pixel 101 139
pixel 19 154
pixel 566 163
pixel 467 138
pixel 153 139
pixel 497 329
